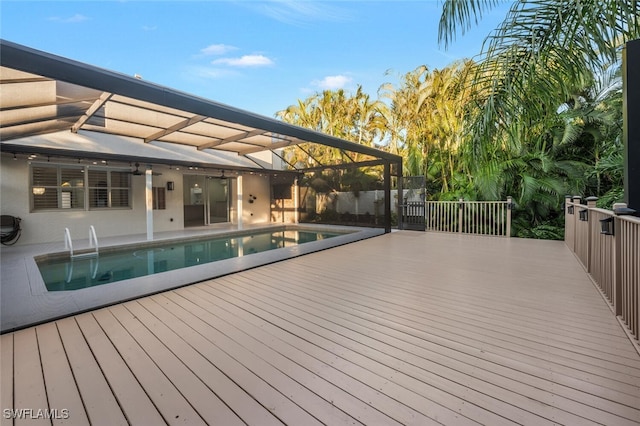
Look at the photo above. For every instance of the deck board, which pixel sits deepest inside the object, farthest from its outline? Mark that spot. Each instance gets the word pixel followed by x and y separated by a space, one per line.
pixel 230 392
pixel 59 381
pixel 131 397
pixel 405 328
pixel 29 389
pixel 6 376
pixel 406 347
pixel 99 402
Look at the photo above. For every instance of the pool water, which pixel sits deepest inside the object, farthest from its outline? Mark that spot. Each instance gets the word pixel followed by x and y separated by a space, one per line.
pixel 111 266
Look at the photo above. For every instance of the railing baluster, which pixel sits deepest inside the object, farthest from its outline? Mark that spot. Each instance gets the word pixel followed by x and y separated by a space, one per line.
pixel 470 217
pixel 609 248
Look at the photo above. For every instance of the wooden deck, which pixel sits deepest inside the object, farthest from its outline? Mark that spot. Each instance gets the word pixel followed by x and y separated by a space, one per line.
pixel 407 328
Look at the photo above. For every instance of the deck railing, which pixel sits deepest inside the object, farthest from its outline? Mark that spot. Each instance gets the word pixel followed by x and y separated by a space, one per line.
pixel 608 245
pixel 470 217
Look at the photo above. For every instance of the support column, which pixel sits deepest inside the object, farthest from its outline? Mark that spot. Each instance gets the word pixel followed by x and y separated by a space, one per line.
pixel 296 201
pixel 387 196
pixel 631 123
pixel 509 208
pixel 148 192
pixel 239 201
pixel 400 185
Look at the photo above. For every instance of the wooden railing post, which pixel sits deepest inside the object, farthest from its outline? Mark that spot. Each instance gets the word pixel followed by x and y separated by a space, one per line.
pixel 574 217
pixel 617 261
pixel 567 230
pixel 509 207
pixel 591 204
pixel 460 214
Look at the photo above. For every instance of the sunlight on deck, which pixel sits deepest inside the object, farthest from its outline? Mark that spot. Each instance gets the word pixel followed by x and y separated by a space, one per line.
pixel 405 328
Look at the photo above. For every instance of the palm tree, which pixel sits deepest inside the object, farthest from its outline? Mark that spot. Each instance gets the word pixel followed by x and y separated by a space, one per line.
pixel 406 124
pixel 543 47
pixel 426 124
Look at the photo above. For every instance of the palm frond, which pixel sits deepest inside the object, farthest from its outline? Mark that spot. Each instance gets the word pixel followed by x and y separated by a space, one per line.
pixel 457 16
pixel 543 50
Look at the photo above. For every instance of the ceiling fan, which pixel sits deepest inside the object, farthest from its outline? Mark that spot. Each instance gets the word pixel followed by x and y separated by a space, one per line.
pixel 138 172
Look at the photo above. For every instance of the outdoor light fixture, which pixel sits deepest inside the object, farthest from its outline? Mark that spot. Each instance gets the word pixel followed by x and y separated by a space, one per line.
pixel 584 215
pixel 170 186
pixel 38 190
pixel 570 209
pixel 606 226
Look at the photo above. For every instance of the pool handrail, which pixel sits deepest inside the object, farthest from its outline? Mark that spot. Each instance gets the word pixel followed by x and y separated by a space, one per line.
pixel 93 243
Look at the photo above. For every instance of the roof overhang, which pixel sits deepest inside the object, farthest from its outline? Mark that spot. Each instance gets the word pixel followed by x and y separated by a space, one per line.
pixel 44 94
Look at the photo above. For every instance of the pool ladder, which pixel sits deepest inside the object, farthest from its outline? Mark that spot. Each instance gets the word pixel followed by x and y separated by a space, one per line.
pixel 93 243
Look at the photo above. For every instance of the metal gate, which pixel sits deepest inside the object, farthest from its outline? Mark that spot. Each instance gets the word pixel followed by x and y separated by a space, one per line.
pixel 413 203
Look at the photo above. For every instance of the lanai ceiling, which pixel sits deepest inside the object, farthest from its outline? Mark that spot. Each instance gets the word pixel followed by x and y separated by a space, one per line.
pixel 42 94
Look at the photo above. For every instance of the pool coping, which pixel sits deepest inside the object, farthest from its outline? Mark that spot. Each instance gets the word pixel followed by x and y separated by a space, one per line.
pixel 26 302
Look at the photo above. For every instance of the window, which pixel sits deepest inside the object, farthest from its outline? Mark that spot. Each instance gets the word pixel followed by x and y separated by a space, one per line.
pixel 159 198
pixel 57 187
pixel 120 189
pixel 108 189
pixel 98 189
pixel 61 186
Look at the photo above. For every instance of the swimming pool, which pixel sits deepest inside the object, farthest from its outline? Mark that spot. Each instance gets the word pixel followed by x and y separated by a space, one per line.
pixel 61 273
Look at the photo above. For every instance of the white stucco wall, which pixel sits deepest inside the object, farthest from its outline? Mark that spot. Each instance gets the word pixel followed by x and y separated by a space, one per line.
pixel 259 211
pixel 162 219
pixel 48 226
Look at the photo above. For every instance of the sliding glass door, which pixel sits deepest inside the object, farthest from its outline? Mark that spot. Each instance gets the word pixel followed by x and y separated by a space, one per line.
pixel 218 200
pixel 206 200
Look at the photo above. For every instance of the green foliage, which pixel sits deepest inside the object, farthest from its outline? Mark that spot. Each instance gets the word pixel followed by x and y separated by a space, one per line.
pixel 536 117
pixel 542 232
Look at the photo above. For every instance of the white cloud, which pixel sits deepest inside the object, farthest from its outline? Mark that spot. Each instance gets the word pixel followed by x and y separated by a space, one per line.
pixel 217 49
pixel 149 28
pixel 71 20
pixel 245 61
pixel 301 12
pixel 332 82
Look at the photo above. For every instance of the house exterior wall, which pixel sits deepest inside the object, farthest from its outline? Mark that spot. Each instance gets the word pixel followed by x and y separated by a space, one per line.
pixel 258 211
pixel 48 226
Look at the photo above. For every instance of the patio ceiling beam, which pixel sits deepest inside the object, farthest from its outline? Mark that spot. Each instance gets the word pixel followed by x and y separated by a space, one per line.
pixel 367 163
pixel 347 155
pixel 283 159
pixel 233 138
pixel 178 126
pixel 92 110
pixel 308 154
pixel 24 80
pixel 47 104
pixel 50 118
pixel 259 148
pixel 44 127
pixel 254 161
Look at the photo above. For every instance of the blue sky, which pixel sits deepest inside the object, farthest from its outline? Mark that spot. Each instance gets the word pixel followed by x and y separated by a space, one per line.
pixel 258 56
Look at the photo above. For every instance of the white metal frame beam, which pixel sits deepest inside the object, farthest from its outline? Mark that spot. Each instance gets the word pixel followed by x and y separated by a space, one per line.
pixel 178 126
pixel 233 138
pixel 91 110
